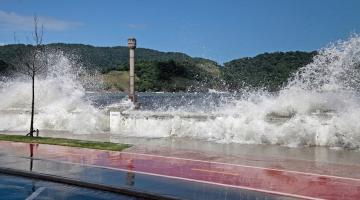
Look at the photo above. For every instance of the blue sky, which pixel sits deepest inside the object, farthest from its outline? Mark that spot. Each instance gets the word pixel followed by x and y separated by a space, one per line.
pixel 217 29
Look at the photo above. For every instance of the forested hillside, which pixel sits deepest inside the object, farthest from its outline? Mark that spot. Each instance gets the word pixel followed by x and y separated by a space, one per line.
pixel 103 58
pixel 268 70
pixel 172 71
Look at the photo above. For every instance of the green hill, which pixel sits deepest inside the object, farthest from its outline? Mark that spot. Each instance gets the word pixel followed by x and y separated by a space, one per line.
pixel 156 70
pixel 268 70
pixel 173 71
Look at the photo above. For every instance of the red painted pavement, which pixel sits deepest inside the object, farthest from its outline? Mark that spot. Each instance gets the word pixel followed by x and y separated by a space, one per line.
pixel 303 184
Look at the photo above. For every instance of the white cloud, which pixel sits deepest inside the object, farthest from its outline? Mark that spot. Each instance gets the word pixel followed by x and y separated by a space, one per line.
pixel 15 22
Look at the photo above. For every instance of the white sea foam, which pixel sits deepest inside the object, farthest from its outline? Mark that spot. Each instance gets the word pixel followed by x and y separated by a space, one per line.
pixel 59 101
pixel 320 106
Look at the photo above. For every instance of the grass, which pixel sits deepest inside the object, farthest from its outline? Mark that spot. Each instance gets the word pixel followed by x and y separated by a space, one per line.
pixel 65 142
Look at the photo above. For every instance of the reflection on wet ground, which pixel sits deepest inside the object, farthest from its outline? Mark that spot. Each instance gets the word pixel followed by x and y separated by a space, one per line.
pixel 190 174
pixel 161 185
pixel 116 169
pixel 13 187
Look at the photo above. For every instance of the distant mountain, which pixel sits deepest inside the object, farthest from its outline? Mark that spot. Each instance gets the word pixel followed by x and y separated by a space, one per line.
pixel 268 70
pixel 155 70
pixel 104 58
pixel 174 71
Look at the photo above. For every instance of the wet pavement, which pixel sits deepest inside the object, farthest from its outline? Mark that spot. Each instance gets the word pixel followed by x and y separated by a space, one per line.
pixel 116 169
pixel 14 187
pixel 189 174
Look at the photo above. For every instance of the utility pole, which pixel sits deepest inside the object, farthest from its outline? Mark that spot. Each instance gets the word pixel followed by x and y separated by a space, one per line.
pixel 132 47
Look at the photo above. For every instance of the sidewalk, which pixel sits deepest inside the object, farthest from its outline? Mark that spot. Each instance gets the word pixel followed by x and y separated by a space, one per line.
pixel 114 169
pixel 189 174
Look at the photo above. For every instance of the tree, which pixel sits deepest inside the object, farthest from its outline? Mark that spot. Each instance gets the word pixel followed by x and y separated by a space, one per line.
pixel 32 60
